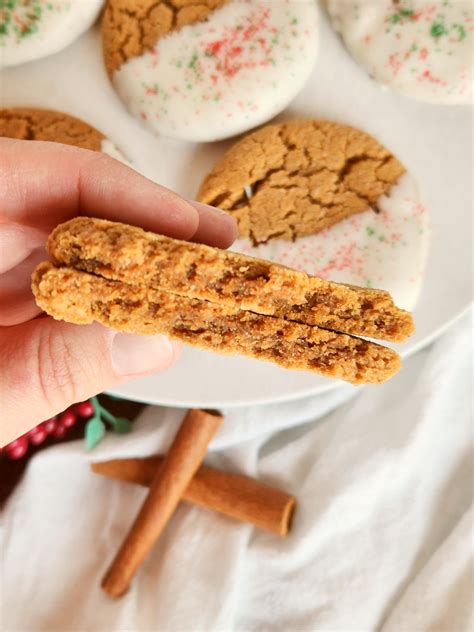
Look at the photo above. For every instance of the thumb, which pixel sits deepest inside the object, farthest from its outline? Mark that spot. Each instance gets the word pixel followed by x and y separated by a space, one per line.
pixel 49 365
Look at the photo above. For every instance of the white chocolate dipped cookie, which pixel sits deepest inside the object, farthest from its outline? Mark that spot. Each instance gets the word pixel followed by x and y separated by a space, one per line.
pixel 420 48
pixel 32 29
pixel 327 199
pixel 203 71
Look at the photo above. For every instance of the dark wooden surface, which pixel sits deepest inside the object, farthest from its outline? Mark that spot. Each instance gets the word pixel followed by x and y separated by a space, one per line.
pixel 12 471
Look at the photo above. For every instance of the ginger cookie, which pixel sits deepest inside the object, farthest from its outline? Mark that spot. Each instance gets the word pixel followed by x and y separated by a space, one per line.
pixel 137 281
pixel 48 125
pixel 327 199
pixel 82 298
pixel 203 70
pixel 32 29
pixel 421 48
pixel 125 253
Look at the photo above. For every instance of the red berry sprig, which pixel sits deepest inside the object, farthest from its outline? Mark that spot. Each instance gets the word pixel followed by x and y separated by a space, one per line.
pixel 55 427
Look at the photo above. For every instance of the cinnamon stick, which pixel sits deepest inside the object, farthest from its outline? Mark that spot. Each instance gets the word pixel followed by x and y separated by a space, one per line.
pixel 178 468
pixel 233 495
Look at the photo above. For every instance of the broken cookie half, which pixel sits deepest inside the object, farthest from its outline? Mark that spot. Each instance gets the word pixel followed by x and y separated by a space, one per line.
pixel 137 281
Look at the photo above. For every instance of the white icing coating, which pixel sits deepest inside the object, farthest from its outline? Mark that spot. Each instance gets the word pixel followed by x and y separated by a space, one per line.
pixel 421 48
pixel 31 29
pixel 214 79
pixel 107 147
pixel 385 250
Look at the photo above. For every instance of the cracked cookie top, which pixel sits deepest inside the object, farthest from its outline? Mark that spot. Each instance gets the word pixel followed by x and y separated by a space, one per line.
pixel 37 124
pixel 295 179
pixel 58 127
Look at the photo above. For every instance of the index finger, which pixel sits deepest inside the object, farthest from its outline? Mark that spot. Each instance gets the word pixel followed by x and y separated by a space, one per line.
pixel 43 184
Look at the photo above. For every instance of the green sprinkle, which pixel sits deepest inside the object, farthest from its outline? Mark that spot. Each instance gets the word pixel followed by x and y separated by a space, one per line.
pixel 192 62
pixel 3 29
pixel 370 231
pixel 382 238
pixel 394 18
pixel 437 29
pixel 406 12
pixel 368 283
pixel 462 32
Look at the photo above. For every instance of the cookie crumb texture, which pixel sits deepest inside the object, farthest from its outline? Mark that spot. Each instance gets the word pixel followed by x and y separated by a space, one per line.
pixel 421 48
pixel 208 70
pixel 82 298
pixel 31 29
pixel 295 179
pixel 37 124
pixel 130 254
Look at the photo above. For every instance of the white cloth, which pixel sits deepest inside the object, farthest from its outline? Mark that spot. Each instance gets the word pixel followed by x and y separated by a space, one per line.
pixel 382 537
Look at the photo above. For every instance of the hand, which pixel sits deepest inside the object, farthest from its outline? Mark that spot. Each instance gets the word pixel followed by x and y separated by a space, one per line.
pixel 47 365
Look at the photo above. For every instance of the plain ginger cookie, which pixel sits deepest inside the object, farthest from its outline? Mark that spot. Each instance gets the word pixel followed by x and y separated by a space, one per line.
pixel 32 29
pixel 120 252
pixel 203 70
pixel 82 298
pixel 141 282
pixel 48 125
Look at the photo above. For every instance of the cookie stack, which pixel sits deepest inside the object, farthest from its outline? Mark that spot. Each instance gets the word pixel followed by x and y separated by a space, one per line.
pixel 136 281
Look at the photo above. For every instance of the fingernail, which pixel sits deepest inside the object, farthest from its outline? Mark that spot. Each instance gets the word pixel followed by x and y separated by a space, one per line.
pixel 135 355
pixel 218 213
pixel 216 227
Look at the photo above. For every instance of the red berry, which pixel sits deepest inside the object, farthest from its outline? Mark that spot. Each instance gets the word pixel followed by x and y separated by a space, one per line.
pixel 67 418
pixel 85 409
pixel 37 435
pixel 17 449
pixel 59 432
pixel 50 425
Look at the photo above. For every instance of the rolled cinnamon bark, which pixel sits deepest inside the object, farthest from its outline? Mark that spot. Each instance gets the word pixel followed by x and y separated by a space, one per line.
pixel 233 495
pixel 179 466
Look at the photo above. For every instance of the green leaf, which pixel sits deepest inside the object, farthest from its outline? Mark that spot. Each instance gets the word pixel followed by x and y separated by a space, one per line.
pixel 121 425
pixel 95 431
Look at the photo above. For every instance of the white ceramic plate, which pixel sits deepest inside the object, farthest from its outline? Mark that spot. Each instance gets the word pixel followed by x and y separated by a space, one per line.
pixel 434 142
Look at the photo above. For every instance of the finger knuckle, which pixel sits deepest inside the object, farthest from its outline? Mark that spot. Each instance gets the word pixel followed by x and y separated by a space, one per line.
pixel 58 371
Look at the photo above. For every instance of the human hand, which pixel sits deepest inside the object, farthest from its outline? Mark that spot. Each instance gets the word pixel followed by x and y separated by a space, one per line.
pixel 47 365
